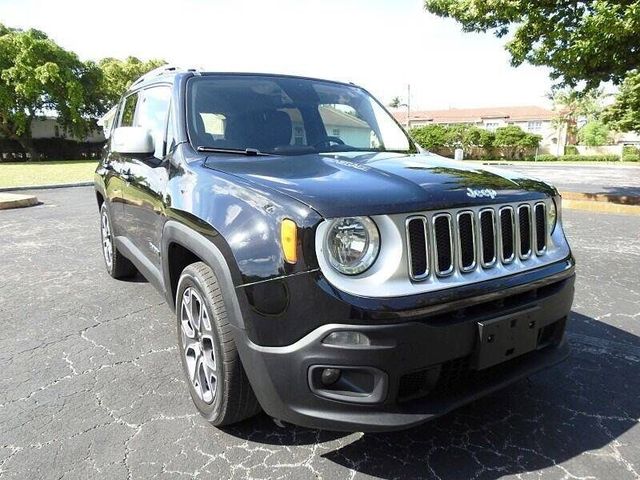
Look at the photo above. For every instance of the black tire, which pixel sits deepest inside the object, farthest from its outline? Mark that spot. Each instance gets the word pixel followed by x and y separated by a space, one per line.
pixel 117 266
pixel 233 398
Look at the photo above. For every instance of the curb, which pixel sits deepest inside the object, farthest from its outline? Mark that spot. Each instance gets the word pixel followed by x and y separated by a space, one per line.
pixel 602 197
pixel 601 202
pixel 601 207
pixel 45 187
pixel 9 200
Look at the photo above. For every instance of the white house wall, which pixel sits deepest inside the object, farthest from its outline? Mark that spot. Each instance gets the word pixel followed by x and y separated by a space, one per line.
pixel 46 128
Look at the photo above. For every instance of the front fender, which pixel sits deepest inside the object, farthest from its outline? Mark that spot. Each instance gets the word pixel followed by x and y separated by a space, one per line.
pixel 245 221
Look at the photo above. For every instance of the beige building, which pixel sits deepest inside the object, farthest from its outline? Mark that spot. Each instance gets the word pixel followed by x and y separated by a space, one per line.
pixel 48 127
pixel 531 119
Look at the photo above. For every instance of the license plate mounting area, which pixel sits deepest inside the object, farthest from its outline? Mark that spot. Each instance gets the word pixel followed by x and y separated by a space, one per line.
pixel 501 339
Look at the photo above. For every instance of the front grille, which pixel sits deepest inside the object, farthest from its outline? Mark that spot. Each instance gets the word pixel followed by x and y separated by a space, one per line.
pixel 441 244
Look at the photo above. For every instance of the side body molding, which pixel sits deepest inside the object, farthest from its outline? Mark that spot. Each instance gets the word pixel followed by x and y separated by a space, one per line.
pixel 175 232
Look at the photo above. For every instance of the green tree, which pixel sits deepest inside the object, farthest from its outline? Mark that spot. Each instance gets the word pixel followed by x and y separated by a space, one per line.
pixel 37 77
pixel 581 41
pixel 459 135
pixel 571 105
pixel 514 136
pixel 430 136
pixel 514 141
pixel 624 114
pixel 594 133
pixel 118 75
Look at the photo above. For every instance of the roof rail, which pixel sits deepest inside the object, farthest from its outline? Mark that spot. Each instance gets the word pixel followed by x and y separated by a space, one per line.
pixel 156 72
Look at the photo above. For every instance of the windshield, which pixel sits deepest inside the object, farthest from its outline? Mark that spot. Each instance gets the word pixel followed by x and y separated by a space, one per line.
pixel 288 116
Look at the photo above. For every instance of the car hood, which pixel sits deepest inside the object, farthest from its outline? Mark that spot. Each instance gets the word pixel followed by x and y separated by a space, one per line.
pixel 344 184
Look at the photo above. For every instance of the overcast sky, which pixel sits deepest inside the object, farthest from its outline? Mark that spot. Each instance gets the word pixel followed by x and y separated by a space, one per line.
pixel 379 44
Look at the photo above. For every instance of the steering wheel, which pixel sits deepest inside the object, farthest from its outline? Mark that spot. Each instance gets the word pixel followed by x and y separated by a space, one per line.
pixel 328 140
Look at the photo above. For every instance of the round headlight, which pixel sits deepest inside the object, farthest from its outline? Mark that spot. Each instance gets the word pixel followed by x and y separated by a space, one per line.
pixel 552 216
pixel 352 244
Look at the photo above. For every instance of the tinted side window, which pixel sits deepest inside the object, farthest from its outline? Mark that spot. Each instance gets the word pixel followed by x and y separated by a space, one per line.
pixel 152 114
pixel 128 111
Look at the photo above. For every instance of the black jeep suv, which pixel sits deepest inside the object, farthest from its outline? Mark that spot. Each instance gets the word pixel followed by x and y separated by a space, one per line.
pixel 321 266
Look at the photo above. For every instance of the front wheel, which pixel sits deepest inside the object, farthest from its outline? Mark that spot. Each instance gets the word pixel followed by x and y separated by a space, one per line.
pixel 217 381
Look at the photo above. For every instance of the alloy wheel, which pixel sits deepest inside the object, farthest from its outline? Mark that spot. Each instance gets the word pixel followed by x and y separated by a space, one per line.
pixel 198 345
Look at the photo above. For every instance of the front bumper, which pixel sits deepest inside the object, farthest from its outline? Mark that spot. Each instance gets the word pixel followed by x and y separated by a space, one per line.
pixel 412 372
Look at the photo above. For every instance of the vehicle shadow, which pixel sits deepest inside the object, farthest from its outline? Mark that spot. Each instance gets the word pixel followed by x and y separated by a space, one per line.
pixel 578 406
pixel 137 278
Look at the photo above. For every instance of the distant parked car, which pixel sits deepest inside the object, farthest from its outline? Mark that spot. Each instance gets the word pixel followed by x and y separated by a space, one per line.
pixel 320 266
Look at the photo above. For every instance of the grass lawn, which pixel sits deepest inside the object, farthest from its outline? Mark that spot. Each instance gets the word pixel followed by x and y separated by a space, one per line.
pixel 21 174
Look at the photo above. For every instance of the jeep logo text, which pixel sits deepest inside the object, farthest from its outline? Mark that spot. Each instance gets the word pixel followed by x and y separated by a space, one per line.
pixel 481 192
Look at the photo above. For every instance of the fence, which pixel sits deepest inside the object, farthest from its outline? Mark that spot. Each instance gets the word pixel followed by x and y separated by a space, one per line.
pixel 51 149
pixel 602 150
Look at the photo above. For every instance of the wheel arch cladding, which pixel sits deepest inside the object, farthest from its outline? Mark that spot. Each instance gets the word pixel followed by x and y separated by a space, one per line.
pixel 183 239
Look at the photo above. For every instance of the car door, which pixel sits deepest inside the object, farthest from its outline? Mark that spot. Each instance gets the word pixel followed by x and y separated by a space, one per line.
pixel 115 180
pixel 146 177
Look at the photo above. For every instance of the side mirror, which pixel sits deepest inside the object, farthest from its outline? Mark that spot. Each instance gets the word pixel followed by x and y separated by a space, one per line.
pixel 132 141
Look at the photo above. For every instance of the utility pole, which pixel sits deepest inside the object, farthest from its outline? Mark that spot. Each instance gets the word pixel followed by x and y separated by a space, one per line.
pixel 408 106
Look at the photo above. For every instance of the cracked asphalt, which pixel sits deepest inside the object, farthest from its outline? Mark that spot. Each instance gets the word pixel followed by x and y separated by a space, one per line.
pixel 91 386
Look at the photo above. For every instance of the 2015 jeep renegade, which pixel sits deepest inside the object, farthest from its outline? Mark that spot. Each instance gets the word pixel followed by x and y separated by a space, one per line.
pixel 321 266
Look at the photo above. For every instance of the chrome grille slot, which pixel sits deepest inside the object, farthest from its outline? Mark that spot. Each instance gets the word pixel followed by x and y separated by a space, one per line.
pixel 466 241
pixel 443 244
pixel 488 237
pixel 417 243
pixel 541 228
pixel 507 236
pixel 524 231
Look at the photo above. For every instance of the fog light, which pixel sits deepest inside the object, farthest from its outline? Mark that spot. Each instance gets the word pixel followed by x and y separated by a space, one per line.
pixel 346 338
pixel 330 376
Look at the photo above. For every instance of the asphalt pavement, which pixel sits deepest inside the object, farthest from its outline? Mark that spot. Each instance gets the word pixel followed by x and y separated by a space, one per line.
pixel 91 384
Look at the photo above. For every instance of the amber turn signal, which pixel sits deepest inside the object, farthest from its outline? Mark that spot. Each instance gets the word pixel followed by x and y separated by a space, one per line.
pixel 289 239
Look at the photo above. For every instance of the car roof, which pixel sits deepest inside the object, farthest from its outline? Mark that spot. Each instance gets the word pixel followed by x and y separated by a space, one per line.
pixel 168 74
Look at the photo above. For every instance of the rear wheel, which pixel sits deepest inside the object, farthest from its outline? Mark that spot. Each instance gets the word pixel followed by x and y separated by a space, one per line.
pixel 117 265
pixel 217 381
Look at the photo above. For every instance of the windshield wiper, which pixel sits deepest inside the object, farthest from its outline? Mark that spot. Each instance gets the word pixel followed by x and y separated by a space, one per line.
pixel 250 152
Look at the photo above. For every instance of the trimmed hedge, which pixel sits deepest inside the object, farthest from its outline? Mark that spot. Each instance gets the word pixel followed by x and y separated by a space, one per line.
pixel 571 150
pixel 578 158
pixel 51 149
pixel 630 154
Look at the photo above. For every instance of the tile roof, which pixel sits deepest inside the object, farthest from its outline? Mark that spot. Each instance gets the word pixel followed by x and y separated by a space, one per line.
pixel 476 115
